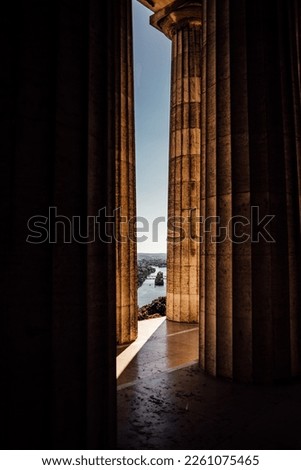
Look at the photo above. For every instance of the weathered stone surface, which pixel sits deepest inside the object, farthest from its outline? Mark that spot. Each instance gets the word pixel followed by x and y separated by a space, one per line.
pixel 184 170
pixel 251 142
pixel 126 248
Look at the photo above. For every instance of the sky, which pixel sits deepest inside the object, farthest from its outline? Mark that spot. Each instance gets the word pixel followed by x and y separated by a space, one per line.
pixel 152 61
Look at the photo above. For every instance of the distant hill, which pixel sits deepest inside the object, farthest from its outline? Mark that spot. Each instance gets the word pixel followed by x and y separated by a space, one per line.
pixel 151 256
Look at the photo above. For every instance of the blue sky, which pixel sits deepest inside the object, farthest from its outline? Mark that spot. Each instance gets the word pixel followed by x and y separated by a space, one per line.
pixel 152 94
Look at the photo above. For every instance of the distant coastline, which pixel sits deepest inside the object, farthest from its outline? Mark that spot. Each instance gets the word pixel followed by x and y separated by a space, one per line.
pixel 146 263
pixel 149 264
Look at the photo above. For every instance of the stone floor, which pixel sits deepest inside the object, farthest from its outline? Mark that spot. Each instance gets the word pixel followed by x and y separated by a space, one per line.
pixel 166 402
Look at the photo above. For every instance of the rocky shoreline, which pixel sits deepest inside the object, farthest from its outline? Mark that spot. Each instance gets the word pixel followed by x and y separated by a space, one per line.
pixel 156 309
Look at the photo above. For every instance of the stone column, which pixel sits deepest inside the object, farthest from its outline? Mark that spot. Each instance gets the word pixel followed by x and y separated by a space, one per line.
pixel 250 280
pixel 181 21
pixel 126 249
pixel 58 307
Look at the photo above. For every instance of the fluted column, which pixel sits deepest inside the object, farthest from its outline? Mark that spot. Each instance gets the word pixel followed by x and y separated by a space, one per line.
pixel 182 23
pixel 250 278
pixel 58 335
pixel 126 257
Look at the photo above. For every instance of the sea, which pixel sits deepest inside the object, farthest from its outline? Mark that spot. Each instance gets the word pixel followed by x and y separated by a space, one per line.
pixel 148 291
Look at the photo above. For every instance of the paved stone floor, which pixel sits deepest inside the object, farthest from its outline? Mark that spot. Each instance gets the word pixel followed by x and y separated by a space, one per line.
pixel 166 402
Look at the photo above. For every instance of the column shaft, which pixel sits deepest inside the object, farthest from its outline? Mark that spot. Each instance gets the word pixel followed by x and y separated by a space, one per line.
pixel 58 337
pixel 184 177
pixel 250 322
pixel 126 257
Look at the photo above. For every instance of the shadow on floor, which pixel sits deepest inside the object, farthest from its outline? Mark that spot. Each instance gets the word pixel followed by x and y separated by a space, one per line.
pixel 165 404
pixel 171 346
